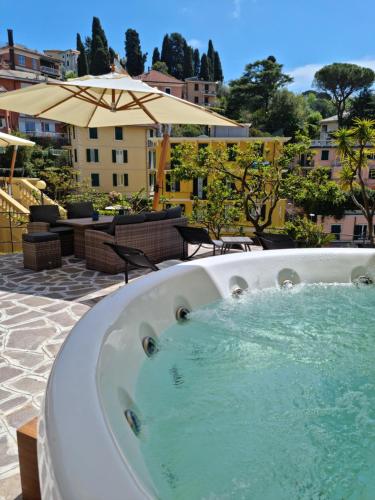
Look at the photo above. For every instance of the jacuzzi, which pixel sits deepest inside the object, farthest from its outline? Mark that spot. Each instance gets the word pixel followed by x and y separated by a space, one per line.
pixel 86 448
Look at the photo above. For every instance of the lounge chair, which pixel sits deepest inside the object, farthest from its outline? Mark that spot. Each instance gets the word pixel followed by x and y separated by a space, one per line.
pixel 275 241
pixel 197 236
pixel 133 257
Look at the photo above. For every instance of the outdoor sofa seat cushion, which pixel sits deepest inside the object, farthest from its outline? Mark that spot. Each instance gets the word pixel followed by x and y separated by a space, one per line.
pixel 123 220
pixel 44 213
pixel 61 230
pixel 150 216
pixel 39 237
pixel 79 210
pixel 275 241
pixel 174 212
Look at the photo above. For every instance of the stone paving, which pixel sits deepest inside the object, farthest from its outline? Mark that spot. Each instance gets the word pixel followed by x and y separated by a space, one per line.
pixel 37 311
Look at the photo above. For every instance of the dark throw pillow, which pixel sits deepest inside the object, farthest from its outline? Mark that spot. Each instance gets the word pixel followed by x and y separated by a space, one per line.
pixel 122 220
pixel 174 213
pixel 152 216
pixel 44 213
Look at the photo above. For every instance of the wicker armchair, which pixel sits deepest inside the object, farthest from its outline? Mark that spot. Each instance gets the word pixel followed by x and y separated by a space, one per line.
pixel 159 240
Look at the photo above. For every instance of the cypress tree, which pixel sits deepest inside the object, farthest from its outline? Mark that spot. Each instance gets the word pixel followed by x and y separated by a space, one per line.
pixel 166 52
pixel 87 45
pixel 135 59
pixel 155 56
pixel 188 69
pixel 218 71
pixel 82 67
pixel 196 62
pixel 204 73
pixel 211 59
pixel 99 59
pixel 112 55
pixel 98 62
pixel 176 46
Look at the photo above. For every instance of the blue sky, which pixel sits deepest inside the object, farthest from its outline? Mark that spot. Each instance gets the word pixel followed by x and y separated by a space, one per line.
pixel 303 35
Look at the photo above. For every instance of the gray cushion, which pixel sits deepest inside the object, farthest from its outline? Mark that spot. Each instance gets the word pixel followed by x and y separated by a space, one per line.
pixel 151 216
pixel 174 212
pixel 79 210
pixel 122 220
pixel 61 230
pixel 44 213
pixel 39 237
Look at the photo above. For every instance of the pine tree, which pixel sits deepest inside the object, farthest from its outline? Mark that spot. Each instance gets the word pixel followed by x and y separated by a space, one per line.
pixel 99 61
pixel 188 69
pixel 196 62
pixel 204 73
pixel 155 56
pixel 218 70
pixel 82 67
pixel 135 59
pixel 166 52
pixel 211 59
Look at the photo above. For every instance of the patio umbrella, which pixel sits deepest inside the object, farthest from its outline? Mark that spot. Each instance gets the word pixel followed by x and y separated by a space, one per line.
pixel 109 100
pixel 12 140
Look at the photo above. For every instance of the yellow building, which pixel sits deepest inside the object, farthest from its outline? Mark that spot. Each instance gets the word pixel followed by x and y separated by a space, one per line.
pixel 111 158
pixel 183 192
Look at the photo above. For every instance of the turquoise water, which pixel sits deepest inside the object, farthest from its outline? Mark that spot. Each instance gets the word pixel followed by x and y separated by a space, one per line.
pixel 269 396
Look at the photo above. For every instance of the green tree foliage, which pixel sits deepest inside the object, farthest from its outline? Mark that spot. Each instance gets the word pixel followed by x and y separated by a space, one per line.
pixel 341 81
pixel 257 183
pixel 287 114
pixel 308 233
pixel 99 55
pixel 155 56
pixel 135 59
pixel 87 46
pixel 255 89
pixel 188 69
pixel 160 66
pixel 112 55
pixel 166 55
pixel 218 70
pixel 211 59
pixel 320 102
pixel 204 73
pixel 362 106
pixel 176 46
pixel 355 145
pixel 196 62
pixel 82 66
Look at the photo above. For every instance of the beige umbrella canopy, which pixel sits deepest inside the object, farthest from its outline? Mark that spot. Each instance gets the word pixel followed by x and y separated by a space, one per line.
pixel 12 140
pixel 109 100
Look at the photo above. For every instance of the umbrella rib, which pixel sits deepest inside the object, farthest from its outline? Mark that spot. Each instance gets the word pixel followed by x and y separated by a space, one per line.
pixel 96 107
pixel 75 94
pixel 143 100
pixel 140 104
pixel 118 99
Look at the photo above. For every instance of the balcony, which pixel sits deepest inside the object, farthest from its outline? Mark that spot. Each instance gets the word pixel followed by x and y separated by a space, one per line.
pixel 50 71
pixel 56 136
pixel 326 143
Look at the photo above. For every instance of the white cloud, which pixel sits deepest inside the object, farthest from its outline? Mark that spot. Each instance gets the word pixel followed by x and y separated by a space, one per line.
pixel 236 9
pixel 195 43
pixel 304 75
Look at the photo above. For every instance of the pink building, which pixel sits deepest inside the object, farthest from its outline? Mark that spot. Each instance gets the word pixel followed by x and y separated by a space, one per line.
pixel 166 83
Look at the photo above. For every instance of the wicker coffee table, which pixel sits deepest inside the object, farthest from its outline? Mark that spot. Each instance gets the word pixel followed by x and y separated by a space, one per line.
pixel 230 241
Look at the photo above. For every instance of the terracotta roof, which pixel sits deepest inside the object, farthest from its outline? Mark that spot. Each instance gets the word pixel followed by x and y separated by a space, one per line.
pixel 157 77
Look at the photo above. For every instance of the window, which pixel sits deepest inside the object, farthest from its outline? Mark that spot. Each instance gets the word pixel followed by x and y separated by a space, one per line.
pixel 171 185
pixel 196 100
pixel 126 180
pixel 151 133
pixel 196 87
pixel 114 180
pixel 93 133
pixel 34 64
pixel 324 155
pixel 2 122
pixel 167 90
pixel 324 128
pixel 206 87
pixel 95 180
pixel 206 100
pixel 118 134
pixel 75 155
pixel 232 154
pixel 371 173
pixel 199 187
pixel 336 230
pixel 29 126
pixel 119 156
pixel 360 232
pixel 74 132
pixel 92 155
pixel 21 60
pixel 46 127
pixel 371 156
pixel 151 181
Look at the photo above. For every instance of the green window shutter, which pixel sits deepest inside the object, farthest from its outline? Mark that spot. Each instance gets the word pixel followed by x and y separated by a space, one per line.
pixel 114 179
pixel 113 156
pixel 118 133
pixel 96 153
pixel 126 180
pixel 125 155
pixel 88 155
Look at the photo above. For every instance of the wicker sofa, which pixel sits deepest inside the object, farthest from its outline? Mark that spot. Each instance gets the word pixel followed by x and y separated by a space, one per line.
pixel 158 239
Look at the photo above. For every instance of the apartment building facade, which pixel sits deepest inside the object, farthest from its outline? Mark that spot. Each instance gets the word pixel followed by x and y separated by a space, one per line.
pixel 201 92
pixel 111 158
pixel 166 83
pixel 68 59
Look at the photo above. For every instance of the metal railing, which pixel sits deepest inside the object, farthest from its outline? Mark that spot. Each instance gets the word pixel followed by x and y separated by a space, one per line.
pixel 15 222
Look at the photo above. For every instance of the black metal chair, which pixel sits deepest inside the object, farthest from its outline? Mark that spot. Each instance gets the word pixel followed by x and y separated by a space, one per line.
pixel 275 241
pixel 196 236
pixel 133 257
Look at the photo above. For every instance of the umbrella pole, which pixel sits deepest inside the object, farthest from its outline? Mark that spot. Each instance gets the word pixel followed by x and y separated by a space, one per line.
pixel 160 171
pixel 12 165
